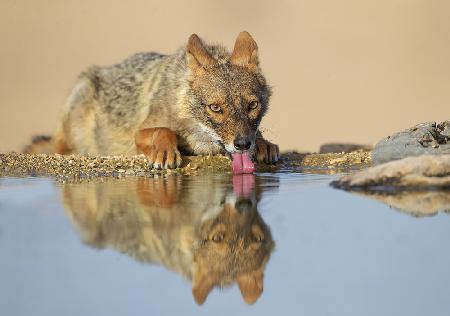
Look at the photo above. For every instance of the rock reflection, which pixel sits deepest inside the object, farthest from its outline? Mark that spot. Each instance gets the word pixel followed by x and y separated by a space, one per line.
pixel 414 203
pixel 207 229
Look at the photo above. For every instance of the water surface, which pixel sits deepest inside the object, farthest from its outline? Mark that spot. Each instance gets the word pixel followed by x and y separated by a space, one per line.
pixel 287 243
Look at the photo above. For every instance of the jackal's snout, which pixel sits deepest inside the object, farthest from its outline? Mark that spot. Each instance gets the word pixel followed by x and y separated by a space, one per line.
pixel 242 142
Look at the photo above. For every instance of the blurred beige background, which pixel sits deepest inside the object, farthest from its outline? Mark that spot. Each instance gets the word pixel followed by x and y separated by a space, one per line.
pixel 348 70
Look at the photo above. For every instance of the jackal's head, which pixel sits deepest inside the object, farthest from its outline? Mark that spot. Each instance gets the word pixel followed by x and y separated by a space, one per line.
pixel 228 93
pixel 233 246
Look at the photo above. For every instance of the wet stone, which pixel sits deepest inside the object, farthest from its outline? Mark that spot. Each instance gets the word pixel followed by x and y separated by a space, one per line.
pixel 428 172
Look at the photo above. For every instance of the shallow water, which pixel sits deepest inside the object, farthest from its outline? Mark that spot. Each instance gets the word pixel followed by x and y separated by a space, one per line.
pixel 155 246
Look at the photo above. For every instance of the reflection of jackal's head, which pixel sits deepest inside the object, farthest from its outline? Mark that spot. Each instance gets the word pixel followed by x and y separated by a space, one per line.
pixel 228 93
pixel 204 232
pixel 234 245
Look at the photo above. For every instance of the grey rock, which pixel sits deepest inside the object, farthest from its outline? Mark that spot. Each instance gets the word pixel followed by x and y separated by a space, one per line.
pixel 423 139
pixel 446 128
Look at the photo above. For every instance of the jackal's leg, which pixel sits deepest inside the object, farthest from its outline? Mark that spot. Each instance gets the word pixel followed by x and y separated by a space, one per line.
pixel 159 144
pixel 61 146
pixel 266 151
pixel 60 141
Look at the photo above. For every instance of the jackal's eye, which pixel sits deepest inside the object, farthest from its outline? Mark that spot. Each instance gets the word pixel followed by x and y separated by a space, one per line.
pixel 253 105
pixel 215 108
pixel 218 237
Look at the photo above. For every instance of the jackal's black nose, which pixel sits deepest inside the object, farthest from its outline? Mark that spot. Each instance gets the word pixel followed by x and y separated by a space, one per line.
pixel 242 143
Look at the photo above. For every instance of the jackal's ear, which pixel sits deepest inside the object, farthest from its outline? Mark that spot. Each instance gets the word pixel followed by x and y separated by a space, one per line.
pixel 197 56
pixel 202 284
pixel 245 51
pixel 251 285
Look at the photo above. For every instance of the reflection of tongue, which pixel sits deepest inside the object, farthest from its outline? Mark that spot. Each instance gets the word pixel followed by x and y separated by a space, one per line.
pixel 243 185
pixel 242 163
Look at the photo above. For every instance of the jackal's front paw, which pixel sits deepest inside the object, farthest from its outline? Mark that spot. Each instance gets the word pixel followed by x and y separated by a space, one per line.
pixel 165 158
pixel 266 151
pixel 160 146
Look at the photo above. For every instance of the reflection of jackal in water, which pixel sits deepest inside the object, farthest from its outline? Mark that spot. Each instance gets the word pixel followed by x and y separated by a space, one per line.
pixel 201 230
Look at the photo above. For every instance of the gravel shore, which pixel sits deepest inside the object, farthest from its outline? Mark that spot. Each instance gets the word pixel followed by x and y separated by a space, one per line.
pixel 80 167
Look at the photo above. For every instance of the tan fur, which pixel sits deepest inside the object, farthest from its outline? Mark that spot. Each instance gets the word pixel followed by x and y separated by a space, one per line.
pixel 160 145
pixel 110 106
pixel 245 51
pixel 201 231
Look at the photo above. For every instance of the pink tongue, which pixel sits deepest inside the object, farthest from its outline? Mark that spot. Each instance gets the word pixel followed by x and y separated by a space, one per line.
pixel 242 163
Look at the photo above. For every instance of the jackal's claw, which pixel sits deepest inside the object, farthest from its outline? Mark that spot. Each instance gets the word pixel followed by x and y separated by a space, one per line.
pixel 164 158
pixel 266 151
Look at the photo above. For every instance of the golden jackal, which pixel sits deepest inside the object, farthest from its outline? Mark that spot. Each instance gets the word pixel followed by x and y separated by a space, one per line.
pixel 200 100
